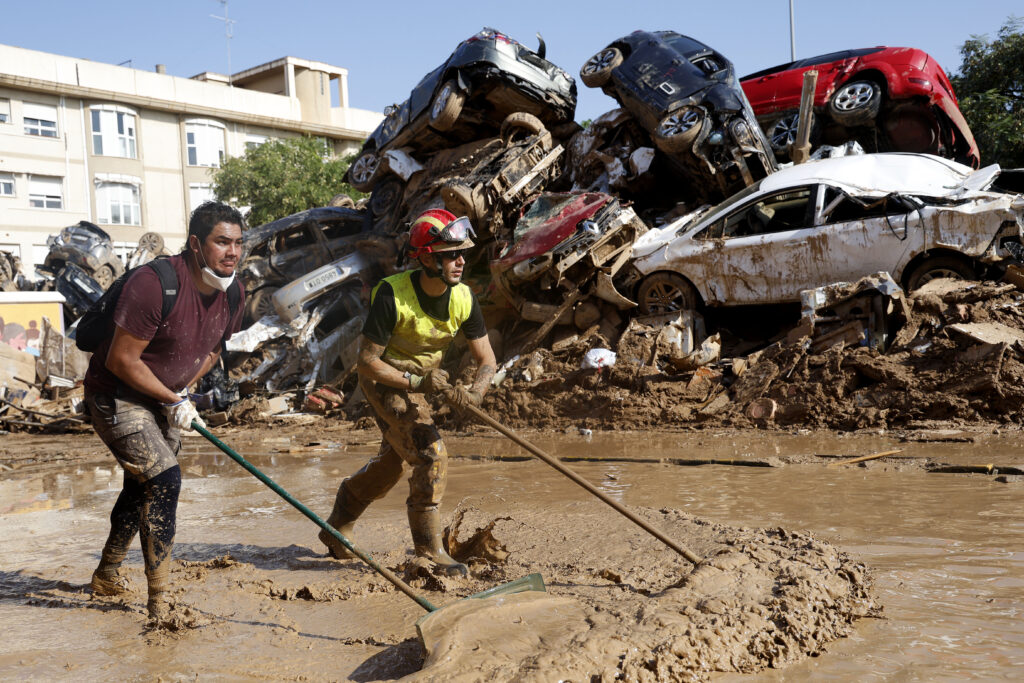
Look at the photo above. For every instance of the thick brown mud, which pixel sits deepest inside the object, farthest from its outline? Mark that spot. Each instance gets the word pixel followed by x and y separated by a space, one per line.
pixel 799 552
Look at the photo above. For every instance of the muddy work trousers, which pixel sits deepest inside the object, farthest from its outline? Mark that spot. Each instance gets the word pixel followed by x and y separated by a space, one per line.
pixel 410 437
pixel 146 447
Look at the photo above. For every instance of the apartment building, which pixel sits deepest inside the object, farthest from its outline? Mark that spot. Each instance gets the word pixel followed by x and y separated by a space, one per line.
pixel 133 151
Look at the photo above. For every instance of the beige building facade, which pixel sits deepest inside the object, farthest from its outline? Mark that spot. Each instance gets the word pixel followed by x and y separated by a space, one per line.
pixel 133 151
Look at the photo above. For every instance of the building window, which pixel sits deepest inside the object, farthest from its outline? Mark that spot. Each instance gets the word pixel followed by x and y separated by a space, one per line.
pixel 46 192
pixel 5 111
pixel 6 185
pixel 199 193
pixel 118 203
pixel 113 131
pixel 40 119
pixel 204 140
pixel 252 141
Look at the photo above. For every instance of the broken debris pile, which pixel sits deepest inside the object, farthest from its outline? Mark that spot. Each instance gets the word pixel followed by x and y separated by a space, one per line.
pixel 953 351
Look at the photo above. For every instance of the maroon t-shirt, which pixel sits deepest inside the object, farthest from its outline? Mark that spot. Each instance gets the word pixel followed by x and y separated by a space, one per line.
pixel 179 344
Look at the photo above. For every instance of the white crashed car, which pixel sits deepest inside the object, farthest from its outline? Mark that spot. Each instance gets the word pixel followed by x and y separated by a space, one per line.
pixel 917 216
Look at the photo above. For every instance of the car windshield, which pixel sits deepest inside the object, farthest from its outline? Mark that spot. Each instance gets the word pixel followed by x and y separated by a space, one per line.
pixel 715 213
pixel 543 208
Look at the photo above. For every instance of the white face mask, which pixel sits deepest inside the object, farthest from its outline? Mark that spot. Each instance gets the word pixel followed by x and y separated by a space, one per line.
pixel 212 279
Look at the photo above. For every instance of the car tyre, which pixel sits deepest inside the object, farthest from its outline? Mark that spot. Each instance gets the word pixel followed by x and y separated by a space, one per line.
pixel 104 276
pixel 460 199
pixel 665 293
pixel 386 197
pixel 598 69
pixel 363 173
pixel 259 304
pixel 939 267
pixel 677 131
pixel 518 122
pixel 152 242
pixel 856 103
pixel 447 105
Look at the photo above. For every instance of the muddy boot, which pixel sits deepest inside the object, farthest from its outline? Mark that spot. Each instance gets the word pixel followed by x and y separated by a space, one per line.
pixel 426 539
pixel 343 518
pixel 107 579
pixel 159 583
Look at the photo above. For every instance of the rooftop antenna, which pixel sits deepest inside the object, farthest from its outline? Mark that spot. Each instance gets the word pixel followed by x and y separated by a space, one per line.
pixel 228 32
pixel 792 32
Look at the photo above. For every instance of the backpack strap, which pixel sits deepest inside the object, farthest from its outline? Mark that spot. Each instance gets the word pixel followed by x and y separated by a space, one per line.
pixel 168 284
pixel 234 296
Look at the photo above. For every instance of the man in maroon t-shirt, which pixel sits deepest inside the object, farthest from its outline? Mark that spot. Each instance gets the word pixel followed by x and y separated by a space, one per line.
pixel 136 389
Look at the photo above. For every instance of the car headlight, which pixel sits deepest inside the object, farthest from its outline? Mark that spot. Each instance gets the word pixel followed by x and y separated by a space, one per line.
pixel 740 132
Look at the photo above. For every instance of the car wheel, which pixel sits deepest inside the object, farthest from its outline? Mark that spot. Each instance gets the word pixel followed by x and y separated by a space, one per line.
pixel 446 107
pixel 104 276
pixel 678 130
pixel 520 122
pixel 152 242
pixel 386 197
pixel 856 103
pixel 664 293
pixel 939 267
pixel 363 172
pixel 598 69
pixel 783 133
pixel 259 304
pixel 460 200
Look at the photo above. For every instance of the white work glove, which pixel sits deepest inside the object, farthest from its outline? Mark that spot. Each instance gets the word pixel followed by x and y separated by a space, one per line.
pixel 181 413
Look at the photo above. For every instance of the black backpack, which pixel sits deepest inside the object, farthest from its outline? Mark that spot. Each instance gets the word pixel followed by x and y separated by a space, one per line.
pixel 98 322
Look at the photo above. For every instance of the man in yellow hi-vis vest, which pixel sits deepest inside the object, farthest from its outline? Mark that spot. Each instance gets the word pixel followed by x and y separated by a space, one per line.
pixel 413 318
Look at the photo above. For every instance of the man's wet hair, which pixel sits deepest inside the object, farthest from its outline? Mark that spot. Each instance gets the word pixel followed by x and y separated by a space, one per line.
pixel 209 214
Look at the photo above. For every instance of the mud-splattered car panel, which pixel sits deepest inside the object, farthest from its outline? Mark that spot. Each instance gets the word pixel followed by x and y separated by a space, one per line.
pixel 837 220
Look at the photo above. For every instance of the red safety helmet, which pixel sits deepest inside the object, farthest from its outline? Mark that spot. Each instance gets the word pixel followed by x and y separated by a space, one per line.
pixel 437 230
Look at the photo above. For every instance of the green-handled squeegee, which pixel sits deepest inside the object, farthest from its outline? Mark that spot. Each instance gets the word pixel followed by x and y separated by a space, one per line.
pixel 532 582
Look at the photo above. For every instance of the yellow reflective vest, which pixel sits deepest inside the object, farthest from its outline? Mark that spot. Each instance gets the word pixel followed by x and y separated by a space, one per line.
pixel 419 339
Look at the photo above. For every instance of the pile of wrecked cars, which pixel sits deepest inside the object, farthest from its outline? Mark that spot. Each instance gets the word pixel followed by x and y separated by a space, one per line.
pixel 673 206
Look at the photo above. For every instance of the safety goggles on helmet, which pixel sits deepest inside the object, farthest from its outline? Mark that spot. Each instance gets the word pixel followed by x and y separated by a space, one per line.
pixel 456 232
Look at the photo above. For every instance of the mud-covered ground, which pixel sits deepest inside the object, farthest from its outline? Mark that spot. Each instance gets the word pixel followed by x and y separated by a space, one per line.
pixel 801 555
pixel 931 376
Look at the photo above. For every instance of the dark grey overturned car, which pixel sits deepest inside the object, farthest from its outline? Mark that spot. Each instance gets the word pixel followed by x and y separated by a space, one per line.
pixel 686 95
pixel 486 78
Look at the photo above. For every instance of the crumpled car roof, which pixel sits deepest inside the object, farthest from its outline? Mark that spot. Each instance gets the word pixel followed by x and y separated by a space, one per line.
pixel 267 230
pixel 880 174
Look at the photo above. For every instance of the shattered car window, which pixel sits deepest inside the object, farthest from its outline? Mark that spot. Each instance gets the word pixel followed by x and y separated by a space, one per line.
pixel 842 208
pixel 724 208
pixel 776 213
pixel 540 211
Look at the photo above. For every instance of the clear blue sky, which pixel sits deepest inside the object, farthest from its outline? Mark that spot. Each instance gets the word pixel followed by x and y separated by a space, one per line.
pixel 388 46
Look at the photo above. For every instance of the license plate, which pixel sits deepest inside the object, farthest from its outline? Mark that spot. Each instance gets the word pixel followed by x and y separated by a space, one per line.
pixel 329 276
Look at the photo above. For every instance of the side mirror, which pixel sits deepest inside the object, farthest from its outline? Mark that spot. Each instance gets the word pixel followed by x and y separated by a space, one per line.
pixel 542 49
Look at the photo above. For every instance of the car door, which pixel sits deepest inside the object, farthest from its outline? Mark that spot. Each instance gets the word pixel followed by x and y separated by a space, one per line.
pixel 762 252
pixel 298 250
pixel 790 84
pixel 856 236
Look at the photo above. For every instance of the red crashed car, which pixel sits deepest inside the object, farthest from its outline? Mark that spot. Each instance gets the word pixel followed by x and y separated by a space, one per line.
pixel 566 250
pixel 887 98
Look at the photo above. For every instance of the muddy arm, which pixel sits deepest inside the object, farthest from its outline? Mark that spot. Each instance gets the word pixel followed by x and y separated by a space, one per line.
pixel 483 354
pixel 371 366
pixel 125 360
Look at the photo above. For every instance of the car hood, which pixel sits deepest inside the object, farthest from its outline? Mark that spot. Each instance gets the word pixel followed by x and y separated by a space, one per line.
pixel 877 175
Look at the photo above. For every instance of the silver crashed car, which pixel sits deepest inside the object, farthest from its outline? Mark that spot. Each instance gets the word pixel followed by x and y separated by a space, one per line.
pixel 917 216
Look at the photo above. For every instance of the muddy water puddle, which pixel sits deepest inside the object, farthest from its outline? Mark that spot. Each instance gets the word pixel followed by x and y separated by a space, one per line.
pixel 946 552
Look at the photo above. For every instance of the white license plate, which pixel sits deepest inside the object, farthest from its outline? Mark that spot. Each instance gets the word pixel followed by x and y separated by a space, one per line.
pixel 329 276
